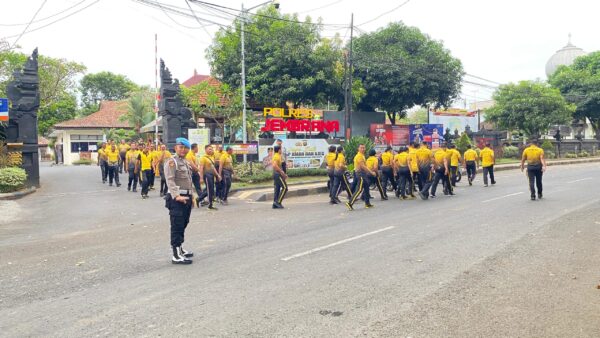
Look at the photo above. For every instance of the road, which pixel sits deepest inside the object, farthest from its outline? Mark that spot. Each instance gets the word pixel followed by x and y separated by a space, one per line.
pixel 79 258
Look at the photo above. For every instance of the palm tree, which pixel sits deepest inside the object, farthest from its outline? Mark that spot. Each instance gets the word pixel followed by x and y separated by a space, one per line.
pixel 139 109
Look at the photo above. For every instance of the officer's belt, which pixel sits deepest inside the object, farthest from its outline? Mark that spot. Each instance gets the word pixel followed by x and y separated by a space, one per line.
pixel 185 192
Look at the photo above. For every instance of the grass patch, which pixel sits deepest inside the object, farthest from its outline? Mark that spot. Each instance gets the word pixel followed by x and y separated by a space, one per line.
pixel 269 184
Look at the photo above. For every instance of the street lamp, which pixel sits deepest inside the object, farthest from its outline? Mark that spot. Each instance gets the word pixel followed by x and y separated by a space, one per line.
pixel 244 11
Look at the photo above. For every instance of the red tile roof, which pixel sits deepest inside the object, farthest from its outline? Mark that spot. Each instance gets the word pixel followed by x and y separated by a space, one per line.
pixel 42 141
pixel 195 79
pixel 106 117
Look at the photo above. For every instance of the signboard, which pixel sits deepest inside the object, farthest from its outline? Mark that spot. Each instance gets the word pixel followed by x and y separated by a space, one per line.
pixel 3 109
pixel 301 153
pixel 455 119
pixel 430 133
pixel 243 149
pixel 200 136
pixel 298 120
pixel 384 135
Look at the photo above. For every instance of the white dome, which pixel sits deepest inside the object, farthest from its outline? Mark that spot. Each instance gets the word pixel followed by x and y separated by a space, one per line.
pixel 565 56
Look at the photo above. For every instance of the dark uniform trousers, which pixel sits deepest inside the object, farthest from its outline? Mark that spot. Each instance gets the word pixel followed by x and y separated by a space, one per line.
pixel 471 170
pixel 146 175
pixel 453 175
pixel 425 179
pixel 340 182
pixel 104 169
pixel 280 187
pixel 387 174
pixel 113 172
pixel 121 162
pixel 405 185
pixel 132 182
pixel 534 173
pixel 377 180
pixel 152 177
pixel 209 181
pixel 488 171
pixel 179 214
pixel 440 175
pixel 226 183
pixel 361 187
pixel 416 179
pixel 196 182
pixel 330 184
pixel 163 181
pixel 218 184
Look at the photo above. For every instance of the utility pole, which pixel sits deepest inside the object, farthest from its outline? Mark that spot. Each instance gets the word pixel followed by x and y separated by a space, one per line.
pixel 348 110
pixel 244 132
pixel 156 92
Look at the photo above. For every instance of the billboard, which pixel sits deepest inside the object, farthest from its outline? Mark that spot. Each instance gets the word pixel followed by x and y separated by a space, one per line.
pixel 430 133
pixel 200 136
pixel 384 135
pixel 455 119
pixel 301 153
pixel 243 149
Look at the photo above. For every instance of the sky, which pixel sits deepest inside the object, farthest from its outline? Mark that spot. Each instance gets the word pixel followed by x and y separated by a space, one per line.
pixel 502 41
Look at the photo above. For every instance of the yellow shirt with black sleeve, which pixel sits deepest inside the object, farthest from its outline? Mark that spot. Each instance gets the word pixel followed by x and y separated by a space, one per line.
pixel 276 161
pixel 340 163
pixel 112 156
pixel 226 161
pixel 533 155
pixel 386 159
pixel 455 158
pixel 330 160
pixel 401 159
pixel 359 161
pixel 423 156
pixel 145 161
pixel 470 155
pixel 373 163
pixel 439 157
pixel 487 157
pixel 207 164
pixel 414 165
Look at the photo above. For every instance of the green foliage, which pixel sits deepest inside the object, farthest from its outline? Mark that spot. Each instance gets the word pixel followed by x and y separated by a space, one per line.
pixel 4 158
pixel 351 147
pixel 140 108
pixel 12 179
pixel 571 155
pixel 401 67
pixel 584 154
pixel 104 86
pixel 417 117
pixel 529 106
pixel 120 134
pixel 301 172
pixel 286 60
pixel 82 162
pixel 463 142
pixel 510 152
pixel 547 146
pixel 580 84
pixel 60 110
pixel 549 154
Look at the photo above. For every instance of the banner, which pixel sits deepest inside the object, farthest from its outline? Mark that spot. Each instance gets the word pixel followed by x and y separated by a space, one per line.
pixel 455 119
pixel 300 153
pixel 430 133
pixel 200 136
pixel 243 149
pixel 384 135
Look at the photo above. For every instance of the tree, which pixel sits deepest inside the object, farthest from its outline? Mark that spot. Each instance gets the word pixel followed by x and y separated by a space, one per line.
pixel 351 147
pixel 120 134
pixel 400 67
pixel 463 141
pixel 417 117
pixel 529 106
pixel 59 110
pixel 286 60
pixel 104 86
pixel 140 108
pixel 580 84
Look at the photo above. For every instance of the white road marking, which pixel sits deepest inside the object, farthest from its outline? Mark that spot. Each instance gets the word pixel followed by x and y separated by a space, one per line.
pixel 321 248
pixel 583 179
pixel 501 197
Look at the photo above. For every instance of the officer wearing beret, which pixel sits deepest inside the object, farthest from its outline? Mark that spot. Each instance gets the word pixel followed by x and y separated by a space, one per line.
pixel 178 200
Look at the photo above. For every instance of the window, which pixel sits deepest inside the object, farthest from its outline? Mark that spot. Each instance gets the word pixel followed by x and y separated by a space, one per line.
pixel 83 146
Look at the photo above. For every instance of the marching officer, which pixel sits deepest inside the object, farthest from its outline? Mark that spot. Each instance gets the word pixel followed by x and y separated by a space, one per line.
pixel 218 152
pixel 536 166
pixel 488 159
pixel 102 162
pixel 112 159
pixel 402 165
pixel 424 158
pixel 455 159
pixel 178 200
pixel 470 160
pixel 340 180
pixel 330 162
pixel 226 172
pixel 387 168
pixel 373 165
pixel 123 148
pixel 209 173
pixel 361 177
pixel 279 178
pixel 440 160
pixel 145 165
pixel 131 164
pixel 414 167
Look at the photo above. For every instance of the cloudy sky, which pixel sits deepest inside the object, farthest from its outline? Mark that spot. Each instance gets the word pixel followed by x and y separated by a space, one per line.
pixel 498 40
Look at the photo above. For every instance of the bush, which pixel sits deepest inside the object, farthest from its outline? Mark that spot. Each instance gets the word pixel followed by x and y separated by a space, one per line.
pixel 571 155
pixel 82 162
pixel 510 152
pixel 259 174
pixel 351 147
pixel 12 179
pixel 463 142
pixel 549 154
pixel 584 154
pixel 306 172
pixel 547 145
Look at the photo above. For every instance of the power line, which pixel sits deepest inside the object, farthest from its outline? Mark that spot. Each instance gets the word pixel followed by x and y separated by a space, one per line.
pixel 29 24
pixel 324 6
pixel 46 18
pixel 480 78
pixel 198 20
pixel 385 13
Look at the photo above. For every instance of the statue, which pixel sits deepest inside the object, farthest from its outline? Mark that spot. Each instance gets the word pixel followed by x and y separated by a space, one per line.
pixel 176 119
pixel 456 135
pixel 24 95
pixel 468 131
pixel 447 136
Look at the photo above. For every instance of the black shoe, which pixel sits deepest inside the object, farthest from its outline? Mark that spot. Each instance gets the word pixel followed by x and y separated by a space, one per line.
pixel 384 198
pixel 118 184
pixel 162 194
pixel 134 190
pixel 332 202
pixel 432 196
pixel 470 182
pixel 128 188
pixel 423 196
pixel 349 206
pixel 103 181
pixel 533 198
pixel 368 206
pixel 179 257
pixel 446 192
pixel 452 194
pixel 203 203
pixel 493 182
pixel 338 200
pixel 110 184
pixel 540 196
pixel 187 254
pixel 210 207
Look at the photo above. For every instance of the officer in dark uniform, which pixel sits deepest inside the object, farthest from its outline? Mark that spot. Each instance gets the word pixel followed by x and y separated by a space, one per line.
pixel 178 200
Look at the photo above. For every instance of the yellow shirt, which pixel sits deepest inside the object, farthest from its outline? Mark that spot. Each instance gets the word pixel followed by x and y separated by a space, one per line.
pixel 226 161
pixel 423 156
pixel 487 157
pixel 533 154
pixel 330 160
pixel 124 147
pixel 191 157
pixel 359 160
pixel 132 155
pixel 277 160
pixel 208 163
pixel 340 163
pixel 439 157
pixel 146 161
pixel 386 159
pixel 401 159
pixel 102 154
pixel 373 163
pixel 454 158
pixel 412 153
pixel 217 156
pixel 112 156
pixel 470 155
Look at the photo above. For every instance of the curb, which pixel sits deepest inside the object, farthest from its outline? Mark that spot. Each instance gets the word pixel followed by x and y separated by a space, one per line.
pixel 233 191
pixel 514 166
pixel 17 194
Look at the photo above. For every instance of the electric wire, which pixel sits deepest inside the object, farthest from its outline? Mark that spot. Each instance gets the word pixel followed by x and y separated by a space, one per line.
pixel 29 24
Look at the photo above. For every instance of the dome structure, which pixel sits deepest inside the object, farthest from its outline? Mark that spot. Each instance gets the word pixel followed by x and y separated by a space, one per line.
pixel 564 56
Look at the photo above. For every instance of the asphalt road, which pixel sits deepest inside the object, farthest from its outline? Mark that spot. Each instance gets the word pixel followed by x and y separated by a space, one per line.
pixel 79 258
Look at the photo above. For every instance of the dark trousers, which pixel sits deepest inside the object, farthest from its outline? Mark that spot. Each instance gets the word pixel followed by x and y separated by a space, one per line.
pixel 132 182
pixel 471 170
pixel 218 185
pixel 226 183
pixel 453 175
pixel 340 182
pixel 152 178
pixel 196 182
pixel 179 214
pixel 121 162
pixel 104 170
pixel 146 175
pixel 387 174
pixel 534 173
pixel 441 176
pixel 405 185
pixel 113 173
pixel 280 187
pixel 330 184
pixel 488 171
pixel 377 180
pixel 425 179
pixel 209 181
pixel 163 184
pixel 361 187
pixel 416 179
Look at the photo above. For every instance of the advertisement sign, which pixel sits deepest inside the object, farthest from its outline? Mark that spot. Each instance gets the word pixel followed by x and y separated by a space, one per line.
pixel 384 135
pixel 300 153
pixel 243 149
pixel 455 119
pixel 430 133
pixel 3 109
